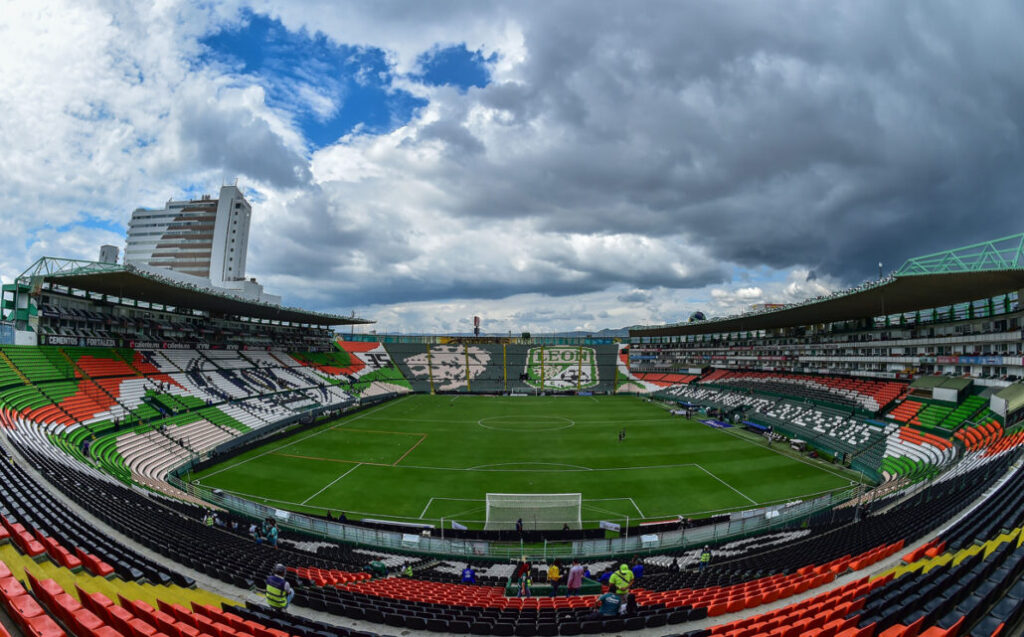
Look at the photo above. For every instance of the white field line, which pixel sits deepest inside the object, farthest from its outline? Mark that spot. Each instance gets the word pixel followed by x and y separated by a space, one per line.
pixel 312 435
pixel 785 455
pixel 485 467
pixel 331 483
pixel 590 507
pixel 534 470
pixel 483 504
pixel 727 484
pixel 619 421
pixel 424 512
pixel 636 507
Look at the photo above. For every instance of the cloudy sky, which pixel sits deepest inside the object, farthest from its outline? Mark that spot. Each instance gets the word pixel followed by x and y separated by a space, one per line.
pixel 545 165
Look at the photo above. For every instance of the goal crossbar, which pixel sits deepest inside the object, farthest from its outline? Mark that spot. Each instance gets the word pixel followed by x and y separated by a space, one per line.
pixel 538 511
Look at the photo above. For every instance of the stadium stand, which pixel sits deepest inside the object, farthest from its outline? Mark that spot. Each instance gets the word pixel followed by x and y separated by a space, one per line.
pixel 868 395
pixel 488 368
pixel 744 580
pixel 102 424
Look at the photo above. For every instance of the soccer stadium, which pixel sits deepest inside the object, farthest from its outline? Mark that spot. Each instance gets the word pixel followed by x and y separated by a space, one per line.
pixel 848 465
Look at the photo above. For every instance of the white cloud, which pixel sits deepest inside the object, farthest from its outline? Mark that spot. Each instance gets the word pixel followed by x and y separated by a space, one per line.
pixel 613 172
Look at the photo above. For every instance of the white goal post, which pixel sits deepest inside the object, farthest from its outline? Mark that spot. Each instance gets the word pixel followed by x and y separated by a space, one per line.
pixel 538 511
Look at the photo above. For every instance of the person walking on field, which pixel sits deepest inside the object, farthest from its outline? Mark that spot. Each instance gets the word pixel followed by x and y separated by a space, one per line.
pixel 575 579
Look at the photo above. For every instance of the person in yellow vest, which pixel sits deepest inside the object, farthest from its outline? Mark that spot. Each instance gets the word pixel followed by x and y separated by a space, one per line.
pixel 621 580
pixel 705 558
pixel 279 591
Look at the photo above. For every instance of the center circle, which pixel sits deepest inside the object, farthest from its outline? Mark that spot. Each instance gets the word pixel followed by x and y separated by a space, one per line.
pixel 518 423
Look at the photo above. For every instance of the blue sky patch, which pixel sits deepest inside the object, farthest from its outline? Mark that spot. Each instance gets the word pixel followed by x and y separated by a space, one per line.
pixel 455 66
pixel 328 88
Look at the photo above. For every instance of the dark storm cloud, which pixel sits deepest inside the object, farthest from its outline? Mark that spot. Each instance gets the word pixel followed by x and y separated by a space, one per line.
pixel 457 138
pixel 635 296
pixel 238 142
pixel 833 135
pixel 636 150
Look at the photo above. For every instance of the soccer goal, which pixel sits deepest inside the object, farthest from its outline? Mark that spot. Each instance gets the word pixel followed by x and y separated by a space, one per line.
pixel 537 511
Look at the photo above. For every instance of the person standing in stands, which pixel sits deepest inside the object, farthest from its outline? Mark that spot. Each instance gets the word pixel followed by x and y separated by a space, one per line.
pixel 272 534
pixel 468 575
pixel 525 582
pixel 621 580
pixel 638 569
pixel 519 527
pixel 554 576
pixel 705 558
pixel 523 566
pixel 279 591
pixel 575 580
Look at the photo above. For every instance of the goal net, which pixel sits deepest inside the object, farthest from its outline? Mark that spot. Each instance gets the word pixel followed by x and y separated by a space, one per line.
pixel 537 510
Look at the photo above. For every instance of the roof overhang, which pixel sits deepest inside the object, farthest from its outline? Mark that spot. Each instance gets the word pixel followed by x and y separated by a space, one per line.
pixel 126 282
pixel 902 293
pixel 977 271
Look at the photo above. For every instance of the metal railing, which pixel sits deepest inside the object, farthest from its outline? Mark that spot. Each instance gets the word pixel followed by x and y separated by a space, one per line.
pixel 740 524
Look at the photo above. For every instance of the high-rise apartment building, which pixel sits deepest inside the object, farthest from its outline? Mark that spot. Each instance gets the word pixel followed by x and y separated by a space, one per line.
pixel 206 238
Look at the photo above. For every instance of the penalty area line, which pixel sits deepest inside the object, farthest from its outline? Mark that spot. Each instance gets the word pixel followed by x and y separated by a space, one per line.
pixel 314 434
pixel 752 501
pixel 424 512
pixel 331 483
pixel 636 507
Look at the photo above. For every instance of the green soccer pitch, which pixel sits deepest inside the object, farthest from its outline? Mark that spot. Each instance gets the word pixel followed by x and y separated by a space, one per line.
pixel 422 458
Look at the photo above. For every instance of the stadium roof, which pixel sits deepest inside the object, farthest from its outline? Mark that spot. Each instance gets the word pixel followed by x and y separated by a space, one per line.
pixel 128 282
pixel 954 276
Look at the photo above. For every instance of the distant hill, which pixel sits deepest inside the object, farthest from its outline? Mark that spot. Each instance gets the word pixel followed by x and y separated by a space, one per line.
pixel 606 333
